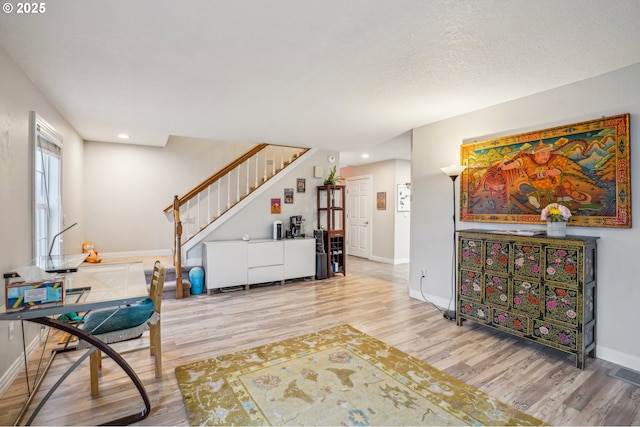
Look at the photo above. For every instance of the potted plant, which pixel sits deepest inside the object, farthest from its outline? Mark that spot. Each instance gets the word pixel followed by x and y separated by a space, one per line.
pixel 333 178
pixel 556 216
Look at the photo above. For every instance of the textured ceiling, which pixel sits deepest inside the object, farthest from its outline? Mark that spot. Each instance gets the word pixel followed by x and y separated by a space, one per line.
pixel 346 75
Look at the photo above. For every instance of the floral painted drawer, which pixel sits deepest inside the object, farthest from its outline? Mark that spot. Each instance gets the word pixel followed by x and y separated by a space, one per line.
pixel 539 288
pixel 474 310
pixel 527 260
pixel 526 297
pixel 512 321
pixel 562 265
pixel 497 256
pixel 558 336
pixel 496 289
pixel 471 284
pixel 471 254
pixel 560 304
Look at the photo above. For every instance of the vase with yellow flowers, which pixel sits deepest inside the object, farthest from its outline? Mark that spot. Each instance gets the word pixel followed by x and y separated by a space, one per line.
pixel 556 216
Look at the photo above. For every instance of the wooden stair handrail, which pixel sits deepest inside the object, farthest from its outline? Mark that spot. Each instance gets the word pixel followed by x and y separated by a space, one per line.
pixel 213 178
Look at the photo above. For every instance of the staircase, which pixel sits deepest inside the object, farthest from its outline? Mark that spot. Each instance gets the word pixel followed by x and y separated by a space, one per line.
pixel 204 208
pixel 169 289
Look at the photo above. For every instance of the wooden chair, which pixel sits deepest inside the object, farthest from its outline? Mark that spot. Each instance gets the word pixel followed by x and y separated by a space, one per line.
pixel 125 323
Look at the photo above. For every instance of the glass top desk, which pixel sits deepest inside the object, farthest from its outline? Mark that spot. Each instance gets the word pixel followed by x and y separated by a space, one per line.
pixel 92 287
pixel 89 288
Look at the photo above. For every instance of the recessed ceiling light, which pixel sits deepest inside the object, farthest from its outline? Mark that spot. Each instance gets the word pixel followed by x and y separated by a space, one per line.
pixel 365 156
pixel 123 136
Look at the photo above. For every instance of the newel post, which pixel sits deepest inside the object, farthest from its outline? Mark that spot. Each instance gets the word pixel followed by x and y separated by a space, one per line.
pixel 177 260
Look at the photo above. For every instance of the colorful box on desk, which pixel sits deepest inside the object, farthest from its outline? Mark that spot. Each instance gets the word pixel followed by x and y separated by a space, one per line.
pixel 21 295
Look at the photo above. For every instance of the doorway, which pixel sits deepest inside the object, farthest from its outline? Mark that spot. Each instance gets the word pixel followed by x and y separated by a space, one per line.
pixel 359 216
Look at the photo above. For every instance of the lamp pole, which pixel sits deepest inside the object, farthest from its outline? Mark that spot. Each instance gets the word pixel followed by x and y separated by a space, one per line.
pixel 453 172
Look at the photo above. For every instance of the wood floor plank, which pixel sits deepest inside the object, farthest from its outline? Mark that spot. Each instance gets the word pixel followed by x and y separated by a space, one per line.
pixel 374 298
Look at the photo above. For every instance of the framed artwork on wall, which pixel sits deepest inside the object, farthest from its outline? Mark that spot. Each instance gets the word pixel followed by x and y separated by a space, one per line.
pixel 288 195
pixel 276 206
pixel 301 185
pixel 381 201
pixel 583 166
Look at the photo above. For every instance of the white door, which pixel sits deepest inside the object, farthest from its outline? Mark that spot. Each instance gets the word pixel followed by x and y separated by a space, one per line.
pixel 359 216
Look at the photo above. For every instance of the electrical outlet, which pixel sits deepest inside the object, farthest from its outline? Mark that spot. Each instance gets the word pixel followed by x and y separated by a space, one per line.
pixel 423 272
pixel 10 331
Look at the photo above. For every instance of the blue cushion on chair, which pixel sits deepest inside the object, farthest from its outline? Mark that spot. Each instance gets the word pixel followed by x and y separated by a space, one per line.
pixel 124 318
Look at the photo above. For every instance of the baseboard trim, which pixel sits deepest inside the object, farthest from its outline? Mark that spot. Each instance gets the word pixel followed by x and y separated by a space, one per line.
pixel 618 357
pixel 391 261
pixel 135 254
pixel 14 370
pixel 440 302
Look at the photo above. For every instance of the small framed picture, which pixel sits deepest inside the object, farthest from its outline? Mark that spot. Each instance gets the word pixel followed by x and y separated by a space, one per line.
pixel 276 206
pixel 301 185
pixel 381 200
pixel 288 195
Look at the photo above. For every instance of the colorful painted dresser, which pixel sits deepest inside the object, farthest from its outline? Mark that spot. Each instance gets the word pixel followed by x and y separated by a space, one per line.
pixel 540 288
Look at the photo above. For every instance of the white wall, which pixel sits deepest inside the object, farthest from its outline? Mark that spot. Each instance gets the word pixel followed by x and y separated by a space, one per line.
pixel 438 145
pixel 390 228
pixel 19 97
pixel 128 187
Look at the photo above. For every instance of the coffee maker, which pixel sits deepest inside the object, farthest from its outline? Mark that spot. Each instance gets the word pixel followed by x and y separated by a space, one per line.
pixel 296 226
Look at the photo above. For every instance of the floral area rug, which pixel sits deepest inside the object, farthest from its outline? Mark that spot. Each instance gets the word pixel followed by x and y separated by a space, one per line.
pixel 338 376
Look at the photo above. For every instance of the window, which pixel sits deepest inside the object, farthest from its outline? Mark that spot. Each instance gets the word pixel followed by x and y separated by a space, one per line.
pixel 47 191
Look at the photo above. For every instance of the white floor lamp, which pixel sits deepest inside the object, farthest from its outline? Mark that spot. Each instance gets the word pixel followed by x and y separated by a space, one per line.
pixel 453 172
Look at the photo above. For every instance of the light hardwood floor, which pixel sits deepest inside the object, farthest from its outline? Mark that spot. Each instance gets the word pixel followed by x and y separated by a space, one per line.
pixel 373 298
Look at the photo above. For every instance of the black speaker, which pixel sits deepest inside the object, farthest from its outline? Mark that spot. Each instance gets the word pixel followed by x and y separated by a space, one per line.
pixel 321 266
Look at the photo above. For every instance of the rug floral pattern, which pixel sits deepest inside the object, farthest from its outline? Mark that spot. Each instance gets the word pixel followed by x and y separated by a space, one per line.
pixel 338 376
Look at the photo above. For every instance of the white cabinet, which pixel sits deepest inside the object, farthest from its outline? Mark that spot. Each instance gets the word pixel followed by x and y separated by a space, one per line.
pixel 299 258
pixel 240 263
pixel 265 261
pixel 225 264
